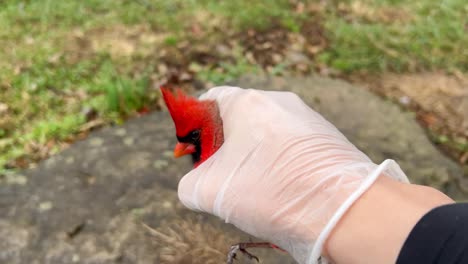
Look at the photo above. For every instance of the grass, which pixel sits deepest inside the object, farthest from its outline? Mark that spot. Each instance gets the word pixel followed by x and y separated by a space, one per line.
pixel 123 95
pixel 424 35
pixel 256 14
pixel 52 68
pixel 226 72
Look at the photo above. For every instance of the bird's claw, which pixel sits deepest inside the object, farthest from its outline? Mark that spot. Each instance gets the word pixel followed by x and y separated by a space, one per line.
pixel 232 254
pixel 249 255
pixel 239 247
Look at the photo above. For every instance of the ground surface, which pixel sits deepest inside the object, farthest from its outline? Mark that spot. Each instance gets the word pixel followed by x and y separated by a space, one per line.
pixel 90 203
pixel 440 102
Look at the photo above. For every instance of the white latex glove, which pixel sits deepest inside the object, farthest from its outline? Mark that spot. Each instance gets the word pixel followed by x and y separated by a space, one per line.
pixel 283 174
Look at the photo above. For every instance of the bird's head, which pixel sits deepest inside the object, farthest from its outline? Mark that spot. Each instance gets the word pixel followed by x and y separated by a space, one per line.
pixel 198 125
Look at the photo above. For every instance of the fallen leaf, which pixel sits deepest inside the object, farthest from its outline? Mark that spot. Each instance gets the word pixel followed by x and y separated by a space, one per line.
pixel 3 108
pixel 464 158
pixel 428 119
pixel 143 111
pixel 88 126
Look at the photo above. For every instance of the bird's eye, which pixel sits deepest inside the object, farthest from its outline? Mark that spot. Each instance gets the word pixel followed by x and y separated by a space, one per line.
pixel 195 135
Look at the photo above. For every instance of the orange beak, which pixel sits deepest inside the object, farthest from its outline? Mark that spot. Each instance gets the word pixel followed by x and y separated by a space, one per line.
pixel 182 149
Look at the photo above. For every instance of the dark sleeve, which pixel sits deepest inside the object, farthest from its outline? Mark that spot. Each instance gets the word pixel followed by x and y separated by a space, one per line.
pixel 441 236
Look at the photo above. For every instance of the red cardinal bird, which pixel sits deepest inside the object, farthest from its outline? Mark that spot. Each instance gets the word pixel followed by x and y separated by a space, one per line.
pixel 199 131
pixel 199 128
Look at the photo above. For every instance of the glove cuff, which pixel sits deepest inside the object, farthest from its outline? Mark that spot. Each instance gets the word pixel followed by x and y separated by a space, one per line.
pixel 389 168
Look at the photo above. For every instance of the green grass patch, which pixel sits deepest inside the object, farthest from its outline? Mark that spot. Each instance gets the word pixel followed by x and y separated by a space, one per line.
pixel 123 95
pixel 433 36
pixel 46 102
pixel 226 72
pixel 55 127
pixel 260 15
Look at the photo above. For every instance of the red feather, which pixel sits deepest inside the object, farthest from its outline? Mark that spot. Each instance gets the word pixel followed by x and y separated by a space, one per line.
pixel 189 113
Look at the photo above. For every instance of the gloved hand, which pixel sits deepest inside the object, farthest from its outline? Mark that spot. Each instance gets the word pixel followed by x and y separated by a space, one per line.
pixel 283 174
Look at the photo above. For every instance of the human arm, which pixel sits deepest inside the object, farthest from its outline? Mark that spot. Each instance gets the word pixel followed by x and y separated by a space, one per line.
pixel 376 226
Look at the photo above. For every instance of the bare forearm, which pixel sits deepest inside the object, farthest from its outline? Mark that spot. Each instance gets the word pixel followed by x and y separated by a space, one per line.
pixel 376 226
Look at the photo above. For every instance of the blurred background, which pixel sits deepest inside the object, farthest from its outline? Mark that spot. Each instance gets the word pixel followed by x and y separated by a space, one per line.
pixel 68 67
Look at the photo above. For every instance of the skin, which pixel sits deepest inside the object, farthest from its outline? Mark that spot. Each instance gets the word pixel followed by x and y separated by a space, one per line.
pixel 389 209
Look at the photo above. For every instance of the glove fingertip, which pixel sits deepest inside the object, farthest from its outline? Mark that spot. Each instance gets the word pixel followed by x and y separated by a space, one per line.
pixel 188 202
pixel 186 191
pixel 218 93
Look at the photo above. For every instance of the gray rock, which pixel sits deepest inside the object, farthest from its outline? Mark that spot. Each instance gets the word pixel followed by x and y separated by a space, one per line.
pixel 109 200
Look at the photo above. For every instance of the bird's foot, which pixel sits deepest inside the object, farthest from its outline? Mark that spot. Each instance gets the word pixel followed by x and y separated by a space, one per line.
pixel 242 248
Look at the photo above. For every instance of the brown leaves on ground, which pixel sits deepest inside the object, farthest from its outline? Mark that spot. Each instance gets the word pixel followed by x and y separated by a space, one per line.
pixel 445 96
pixel 174 56
pixel 119 41
pixel 279 46
pixel 440 101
